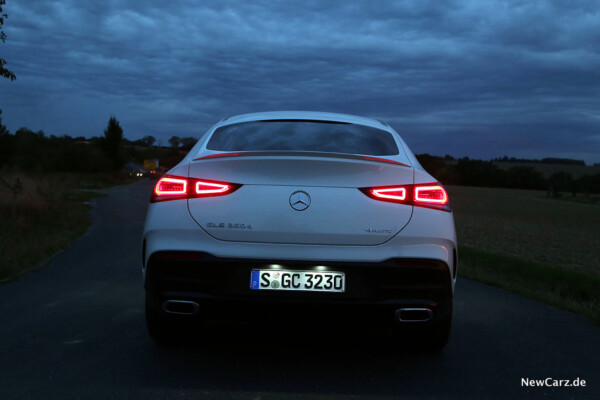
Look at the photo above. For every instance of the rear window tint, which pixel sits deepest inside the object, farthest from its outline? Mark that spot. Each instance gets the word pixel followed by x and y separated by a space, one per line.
pixel 294 135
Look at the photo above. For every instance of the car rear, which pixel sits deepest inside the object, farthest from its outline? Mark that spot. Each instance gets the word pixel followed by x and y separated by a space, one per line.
pixel 304 212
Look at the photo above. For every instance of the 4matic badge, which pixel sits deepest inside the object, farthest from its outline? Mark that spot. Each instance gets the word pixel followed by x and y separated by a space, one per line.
pixel 371 230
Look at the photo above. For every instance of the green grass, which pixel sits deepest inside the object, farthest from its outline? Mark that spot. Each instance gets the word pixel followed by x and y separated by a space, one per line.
pixel 524 242
pixel 579 198
pixel 566 289
pixel 44 217
pixel 527 225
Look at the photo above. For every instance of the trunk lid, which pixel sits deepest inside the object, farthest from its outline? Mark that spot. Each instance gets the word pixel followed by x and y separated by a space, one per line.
pixel 300 199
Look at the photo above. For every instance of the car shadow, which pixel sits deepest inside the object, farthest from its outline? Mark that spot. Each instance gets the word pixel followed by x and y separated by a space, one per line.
pixel 288 357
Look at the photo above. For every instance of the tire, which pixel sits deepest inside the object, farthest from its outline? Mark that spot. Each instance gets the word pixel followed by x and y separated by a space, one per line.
pixel 429 339
pixel 436 337
pixel 168 330
pixel 159 327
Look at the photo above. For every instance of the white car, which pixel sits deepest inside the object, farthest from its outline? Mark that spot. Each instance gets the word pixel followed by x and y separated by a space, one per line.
pixel 300 212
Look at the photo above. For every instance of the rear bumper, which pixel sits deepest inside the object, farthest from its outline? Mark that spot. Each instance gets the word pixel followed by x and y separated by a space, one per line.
pixel 221 286
pixel 430 235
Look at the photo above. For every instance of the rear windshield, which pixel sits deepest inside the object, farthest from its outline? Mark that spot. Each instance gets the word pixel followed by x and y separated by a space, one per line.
pixel 293 135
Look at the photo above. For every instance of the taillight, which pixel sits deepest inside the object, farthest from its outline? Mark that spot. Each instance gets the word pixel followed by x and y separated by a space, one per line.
pixel 429 195
pixel 204 188
pixel 394 194
pixel 435 194
pixel 172 187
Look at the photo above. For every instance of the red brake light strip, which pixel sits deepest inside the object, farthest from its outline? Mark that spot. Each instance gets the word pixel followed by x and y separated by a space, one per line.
pixel 211 188
pixel 429 195
pixel 177 187
pixel 391 193
pixel 170 186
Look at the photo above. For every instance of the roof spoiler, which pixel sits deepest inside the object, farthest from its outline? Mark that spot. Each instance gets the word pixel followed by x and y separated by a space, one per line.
pixel 300 154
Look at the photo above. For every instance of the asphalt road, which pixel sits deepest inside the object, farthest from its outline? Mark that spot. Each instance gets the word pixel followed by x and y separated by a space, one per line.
pixel 75 329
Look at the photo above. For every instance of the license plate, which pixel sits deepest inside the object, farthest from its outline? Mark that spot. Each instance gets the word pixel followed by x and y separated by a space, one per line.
pixel 309 281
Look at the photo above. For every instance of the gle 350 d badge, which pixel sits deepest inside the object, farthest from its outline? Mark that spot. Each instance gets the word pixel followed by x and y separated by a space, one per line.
pixel 227 225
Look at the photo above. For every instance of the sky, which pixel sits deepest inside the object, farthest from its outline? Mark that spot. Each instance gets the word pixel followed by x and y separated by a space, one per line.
pixel 481 79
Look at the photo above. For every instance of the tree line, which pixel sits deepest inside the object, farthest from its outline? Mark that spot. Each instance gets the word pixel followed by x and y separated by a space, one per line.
pixel 26 150
pixel 35 151
pixel 470 172
pixel 547 160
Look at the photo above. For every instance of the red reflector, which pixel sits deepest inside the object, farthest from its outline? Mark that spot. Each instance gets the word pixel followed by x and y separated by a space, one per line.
pixel 398 193
pixel 170 186
pixel 431 194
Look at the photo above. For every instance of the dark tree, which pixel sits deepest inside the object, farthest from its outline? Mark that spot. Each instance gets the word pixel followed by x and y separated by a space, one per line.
pixel 567 161
pixel 521 177
pixel 148 140
pixel 187 143
pixel 471 172
pixel 113 143
pixel 562 181
pixel 174 141
pixel 6 143
pixel 3 130
pixel 438 167
pixel 5 73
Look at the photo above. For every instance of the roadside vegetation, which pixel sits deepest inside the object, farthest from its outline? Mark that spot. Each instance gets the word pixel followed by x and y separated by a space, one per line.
pixel 527 243
pixel 42 213
pixel 566 289
pixel 46 182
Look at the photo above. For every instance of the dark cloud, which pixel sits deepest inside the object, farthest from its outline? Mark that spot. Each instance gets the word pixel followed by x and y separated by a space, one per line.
pixel 481 79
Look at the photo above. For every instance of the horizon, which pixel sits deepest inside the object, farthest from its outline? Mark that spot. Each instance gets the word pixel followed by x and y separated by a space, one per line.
pixel 504 158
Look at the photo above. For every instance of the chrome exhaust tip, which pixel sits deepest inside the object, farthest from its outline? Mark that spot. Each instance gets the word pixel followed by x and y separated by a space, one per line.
pixel 181 307
pixel 414 315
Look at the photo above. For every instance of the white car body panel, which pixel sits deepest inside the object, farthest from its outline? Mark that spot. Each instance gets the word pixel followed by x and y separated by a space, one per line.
pixel 430 233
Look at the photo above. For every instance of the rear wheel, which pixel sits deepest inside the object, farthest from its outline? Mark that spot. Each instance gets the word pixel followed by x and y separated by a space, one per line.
pixel 429 339
pixel 167 330
pixel 159 327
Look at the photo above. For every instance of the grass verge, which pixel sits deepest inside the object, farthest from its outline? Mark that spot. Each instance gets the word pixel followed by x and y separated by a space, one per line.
pixel 566 289
pixel 44 216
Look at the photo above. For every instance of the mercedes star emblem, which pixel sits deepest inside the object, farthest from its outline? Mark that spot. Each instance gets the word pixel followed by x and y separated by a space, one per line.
pixel 299 200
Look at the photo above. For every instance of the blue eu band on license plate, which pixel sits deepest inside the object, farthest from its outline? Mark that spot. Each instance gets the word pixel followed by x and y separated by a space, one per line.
pixel 311 281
